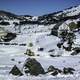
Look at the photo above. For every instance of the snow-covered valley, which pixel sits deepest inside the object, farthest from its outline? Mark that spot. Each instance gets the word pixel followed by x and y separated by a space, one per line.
pixel 21 40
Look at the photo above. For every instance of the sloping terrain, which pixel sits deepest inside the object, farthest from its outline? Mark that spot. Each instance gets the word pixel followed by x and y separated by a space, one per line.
pixel 38 38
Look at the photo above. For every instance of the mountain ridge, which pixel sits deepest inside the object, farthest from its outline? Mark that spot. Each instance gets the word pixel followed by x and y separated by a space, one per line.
pixel 69 13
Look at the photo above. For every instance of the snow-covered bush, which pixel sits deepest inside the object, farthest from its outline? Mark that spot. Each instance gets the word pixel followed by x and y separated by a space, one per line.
pixel 30 44
pixel 59 45
pixel 63 34
pixel 4 23
pixel 15 23
pixel 70 38
pixel 29 52
pixel 72 26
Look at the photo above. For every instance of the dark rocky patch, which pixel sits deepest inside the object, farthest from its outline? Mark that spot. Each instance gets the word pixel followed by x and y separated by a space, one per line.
pixel 67 48
pixel 15 71
pixel 76 51
pixel 52 50
pixel 68 70
pixel 29 52
pixel 53 55
pixel 9 37
pixel 54 70
pixel 59 45
pixel 34 66
pixel 22 44
pixel 12 59
pixel 54 30
pixel 40 49
pixel 4 23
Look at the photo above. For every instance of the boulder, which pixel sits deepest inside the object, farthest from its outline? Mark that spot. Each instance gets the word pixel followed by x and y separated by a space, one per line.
pixel 51 68
pixel 33 66
pixel 67 48
pixel 55 73
pixel 15 71
pixel 68 70
pixel 74 53
pixel 59 45
pixel 77 49
pixel 40 49
pixel 54 70
pixel 8 37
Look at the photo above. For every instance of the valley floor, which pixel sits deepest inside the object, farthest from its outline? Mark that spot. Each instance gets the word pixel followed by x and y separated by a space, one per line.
pixel 10 52
pixel 60 62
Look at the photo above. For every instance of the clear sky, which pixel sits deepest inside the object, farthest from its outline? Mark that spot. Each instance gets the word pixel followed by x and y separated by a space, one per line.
pixel 36 7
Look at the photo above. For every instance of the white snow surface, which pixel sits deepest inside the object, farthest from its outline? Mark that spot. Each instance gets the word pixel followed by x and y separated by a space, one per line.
pixel 39 39
pixel 39 36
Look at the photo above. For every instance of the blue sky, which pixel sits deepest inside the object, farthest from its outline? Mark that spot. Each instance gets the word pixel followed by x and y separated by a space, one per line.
pixel 36 7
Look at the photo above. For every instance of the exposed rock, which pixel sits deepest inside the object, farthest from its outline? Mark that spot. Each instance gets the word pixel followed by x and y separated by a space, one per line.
pixel 29 52
pixel 54 70
pixel 52 50
pixel 40 49
pixel 76 51
pixel 54 30
pixel 59 45
pixel 15 71
pixel 12 59
pixel 19 62
pixel 34 66
pixel 55 73
pixel 67 48
pixel 4 23
pixel 68 70
pixel 9 37
pixel 53 55
pixel 51 68
pixel 22 44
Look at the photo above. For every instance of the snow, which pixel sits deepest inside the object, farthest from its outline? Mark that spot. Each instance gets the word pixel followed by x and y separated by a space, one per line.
pixel 35 18
pixel 8 52
pixel 70 12
pixel 39 36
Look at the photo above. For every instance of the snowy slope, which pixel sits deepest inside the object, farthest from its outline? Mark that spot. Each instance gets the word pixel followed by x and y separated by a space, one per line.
pixel 70 11
pixel 40 36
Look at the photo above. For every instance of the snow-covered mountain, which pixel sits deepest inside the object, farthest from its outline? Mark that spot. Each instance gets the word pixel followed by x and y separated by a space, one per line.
pixel 50 23
pixel 4 15
pixel 16 22
pixel 69 13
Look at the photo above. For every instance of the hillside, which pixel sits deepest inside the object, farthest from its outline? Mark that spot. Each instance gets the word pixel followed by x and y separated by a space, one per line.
pixel 45 47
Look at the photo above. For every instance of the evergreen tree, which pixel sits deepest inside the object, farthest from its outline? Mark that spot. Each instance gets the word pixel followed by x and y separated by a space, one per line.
pixel 70 38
